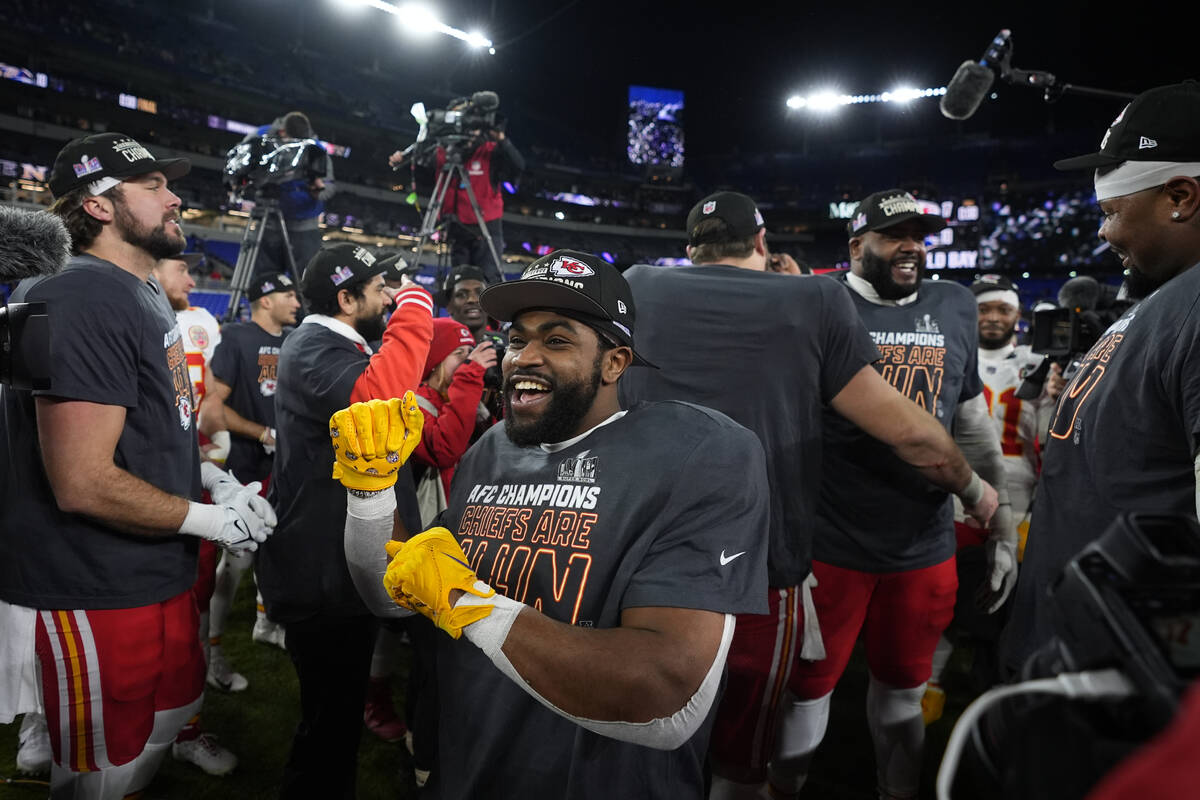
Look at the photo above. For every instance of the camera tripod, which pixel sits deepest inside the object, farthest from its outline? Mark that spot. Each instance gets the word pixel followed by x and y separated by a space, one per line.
pixel 452 170
pixel 266 210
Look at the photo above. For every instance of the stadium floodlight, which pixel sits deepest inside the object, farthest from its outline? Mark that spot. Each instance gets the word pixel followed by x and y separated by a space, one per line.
pixel 417 18
pixel 826 101
pixel 421 19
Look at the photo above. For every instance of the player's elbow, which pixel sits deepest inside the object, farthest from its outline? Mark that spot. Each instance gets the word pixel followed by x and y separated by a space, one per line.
pixel 74 494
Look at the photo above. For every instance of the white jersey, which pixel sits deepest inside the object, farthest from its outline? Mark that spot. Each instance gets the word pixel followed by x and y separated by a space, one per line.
pixel 1017 420
pixel 201 335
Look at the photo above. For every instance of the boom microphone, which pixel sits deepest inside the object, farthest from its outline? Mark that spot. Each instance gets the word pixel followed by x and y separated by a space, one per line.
pixel 31 243
pixel 1082 292
pixel 973 79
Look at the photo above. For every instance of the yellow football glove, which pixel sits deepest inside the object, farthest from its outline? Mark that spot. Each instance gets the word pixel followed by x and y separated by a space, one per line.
pixel 372 440
pixel 422 573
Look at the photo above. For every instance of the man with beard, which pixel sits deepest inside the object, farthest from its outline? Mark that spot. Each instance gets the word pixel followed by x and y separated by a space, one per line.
pixel 1125 434
pixel 324 365
pixel 100 478
pixel 591 668
pixel 819 353
pixel 883 549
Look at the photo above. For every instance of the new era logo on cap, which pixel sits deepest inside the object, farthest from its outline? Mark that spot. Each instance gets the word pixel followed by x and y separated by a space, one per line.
pixel 1145 143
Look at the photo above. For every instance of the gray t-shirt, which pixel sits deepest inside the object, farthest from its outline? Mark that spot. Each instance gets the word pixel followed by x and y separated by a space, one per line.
pixel 115 342
pixel 666 506
pixel 1123 438
pixel 877 513
pixel 766 349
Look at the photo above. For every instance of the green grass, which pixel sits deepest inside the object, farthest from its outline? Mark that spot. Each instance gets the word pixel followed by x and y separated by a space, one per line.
pixel 257 725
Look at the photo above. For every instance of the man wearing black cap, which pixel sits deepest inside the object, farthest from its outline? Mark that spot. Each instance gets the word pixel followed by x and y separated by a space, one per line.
pixel 238 414
pixel 100 480
pixel 883 549
pixel 1125 434
pixel 324 365
pixel 770 351
pixel 591 668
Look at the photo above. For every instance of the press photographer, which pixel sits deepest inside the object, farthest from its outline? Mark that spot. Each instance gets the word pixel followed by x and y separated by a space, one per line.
pixel 467 145
pixel 284 166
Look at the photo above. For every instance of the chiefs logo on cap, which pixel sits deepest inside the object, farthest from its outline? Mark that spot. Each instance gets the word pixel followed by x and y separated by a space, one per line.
pixel 566 267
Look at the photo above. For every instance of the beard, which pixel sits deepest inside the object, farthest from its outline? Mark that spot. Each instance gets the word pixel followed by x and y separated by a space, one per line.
pixel 569 403
pixel 155 241
pixel 992 342
pixel 878 272
pixel 1139 285
pixel 370 328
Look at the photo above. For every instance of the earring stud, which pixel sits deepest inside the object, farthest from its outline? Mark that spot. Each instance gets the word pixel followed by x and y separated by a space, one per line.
pixel 1174 215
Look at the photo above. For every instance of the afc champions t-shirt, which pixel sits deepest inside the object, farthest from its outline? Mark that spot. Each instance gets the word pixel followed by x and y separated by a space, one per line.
pixel 876 512
pixel 664 506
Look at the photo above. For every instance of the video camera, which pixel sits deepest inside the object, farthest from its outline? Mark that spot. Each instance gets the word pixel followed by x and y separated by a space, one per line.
pixel 1129 602
pixel 1065 334
pixel 459 128
pixel 261 165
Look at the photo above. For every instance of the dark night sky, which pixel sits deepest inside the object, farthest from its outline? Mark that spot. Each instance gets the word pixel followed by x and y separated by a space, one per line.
pixel 563 68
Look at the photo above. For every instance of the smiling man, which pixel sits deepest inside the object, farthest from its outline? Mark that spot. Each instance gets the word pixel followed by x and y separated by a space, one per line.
pixel 609 551
pixel 1126 433
pixel 884 543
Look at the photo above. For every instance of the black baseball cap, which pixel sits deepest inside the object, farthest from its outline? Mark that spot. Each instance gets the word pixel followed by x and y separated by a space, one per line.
pixel 992 283
pixel 462 273
pixel 891 207
pixel 108 155
pixel 577 285
pixel 1160 124
pixel 337 267
pixel 736 210
pixel 266 284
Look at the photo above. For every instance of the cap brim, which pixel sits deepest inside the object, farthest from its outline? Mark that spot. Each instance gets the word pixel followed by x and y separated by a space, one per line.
pixel 171 168
pixel 932 223
pixel 504 301
pixel 193 260
pixel 1090 161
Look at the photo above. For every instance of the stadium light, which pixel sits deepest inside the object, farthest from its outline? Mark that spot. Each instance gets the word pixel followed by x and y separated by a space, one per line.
pixel 826 101
pixel 421 19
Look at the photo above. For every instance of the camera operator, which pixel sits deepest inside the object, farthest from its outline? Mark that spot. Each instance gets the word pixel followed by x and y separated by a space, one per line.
pixel 98 519
pixel 1126 432
pixel 489 158
pixel 301 202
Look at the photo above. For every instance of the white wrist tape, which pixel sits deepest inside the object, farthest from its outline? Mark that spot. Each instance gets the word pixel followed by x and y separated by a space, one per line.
pixel 220 449
pixel 973 492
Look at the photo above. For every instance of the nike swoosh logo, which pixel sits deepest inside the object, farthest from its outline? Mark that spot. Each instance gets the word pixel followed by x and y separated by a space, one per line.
pixel 726 559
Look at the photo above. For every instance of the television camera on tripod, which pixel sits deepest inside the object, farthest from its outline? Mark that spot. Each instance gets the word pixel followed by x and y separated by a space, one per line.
pixel 466 143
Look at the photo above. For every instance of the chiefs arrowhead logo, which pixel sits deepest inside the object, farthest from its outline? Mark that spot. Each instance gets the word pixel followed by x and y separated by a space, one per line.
pixel 567 267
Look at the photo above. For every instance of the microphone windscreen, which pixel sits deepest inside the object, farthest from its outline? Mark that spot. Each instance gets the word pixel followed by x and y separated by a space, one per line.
pixel 966 90
pixel 31 243
pixel 1082 292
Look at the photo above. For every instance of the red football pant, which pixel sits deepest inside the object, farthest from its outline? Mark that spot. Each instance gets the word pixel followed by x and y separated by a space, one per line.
pixel 106 672
pixel 900 615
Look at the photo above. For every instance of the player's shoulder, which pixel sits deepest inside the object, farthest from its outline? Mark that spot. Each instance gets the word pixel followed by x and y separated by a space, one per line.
pixel 679 420
pixel 1023 354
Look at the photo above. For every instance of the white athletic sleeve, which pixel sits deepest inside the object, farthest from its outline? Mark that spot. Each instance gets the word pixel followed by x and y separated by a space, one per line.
pixel 975 434
pixel 368 529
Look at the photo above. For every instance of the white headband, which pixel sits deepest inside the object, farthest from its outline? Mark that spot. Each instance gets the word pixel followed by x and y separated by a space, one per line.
pixel 1136 176
pixel 1003 295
